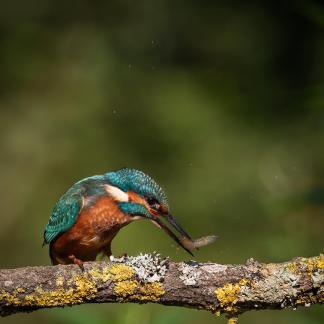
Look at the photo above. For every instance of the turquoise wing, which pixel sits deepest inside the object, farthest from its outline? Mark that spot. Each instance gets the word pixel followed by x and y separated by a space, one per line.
pixel 64 215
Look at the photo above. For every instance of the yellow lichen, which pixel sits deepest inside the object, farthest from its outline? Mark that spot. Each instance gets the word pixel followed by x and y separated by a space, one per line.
pixel 117 272
pixel 228 296
pixel 103 275
pixel 81 287
pixel 9 298
pixel 84 289
pixel 12 298
pixel 229 293
pixel 292 267
pixel 314 264
pixel 243 282
pixel 151 292
pixel 20 290
pixel 121 272
pixel 232 320
pixel 125 288
pixel 309 299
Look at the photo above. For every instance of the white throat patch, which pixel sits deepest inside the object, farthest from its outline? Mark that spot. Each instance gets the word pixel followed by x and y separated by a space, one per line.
pixel 116 193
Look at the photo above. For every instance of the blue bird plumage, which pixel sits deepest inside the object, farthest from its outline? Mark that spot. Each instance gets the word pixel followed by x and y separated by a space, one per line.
pixel 68 207
pixel 139 182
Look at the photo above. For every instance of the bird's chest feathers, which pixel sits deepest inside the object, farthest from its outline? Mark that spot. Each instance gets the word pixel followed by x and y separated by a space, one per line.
pixel 100 221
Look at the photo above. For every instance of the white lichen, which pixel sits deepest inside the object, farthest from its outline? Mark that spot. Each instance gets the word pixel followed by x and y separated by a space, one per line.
pixel 317 279
pixel 117 260
pixel 190 274
pixel 8 283
pixel 213 268
pixel 291 277
pixel 148 267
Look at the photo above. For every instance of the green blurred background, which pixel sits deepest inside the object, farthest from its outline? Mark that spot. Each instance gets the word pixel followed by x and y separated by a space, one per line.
pixel 221 102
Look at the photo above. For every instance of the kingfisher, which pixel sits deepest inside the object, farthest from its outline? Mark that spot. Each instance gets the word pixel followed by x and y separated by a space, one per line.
pixel 88 216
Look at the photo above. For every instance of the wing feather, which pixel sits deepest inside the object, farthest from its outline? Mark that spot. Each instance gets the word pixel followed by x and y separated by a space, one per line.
pixel 64 215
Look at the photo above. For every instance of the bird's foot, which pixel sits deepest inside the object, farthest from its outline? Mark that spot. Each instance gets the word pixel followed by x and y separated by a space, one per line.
pixel 77 261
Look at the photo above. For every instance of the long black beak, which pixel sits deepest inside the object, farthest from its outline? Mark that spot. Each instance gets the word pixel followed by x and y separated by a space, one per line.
pixel 157 221
pixel 178 227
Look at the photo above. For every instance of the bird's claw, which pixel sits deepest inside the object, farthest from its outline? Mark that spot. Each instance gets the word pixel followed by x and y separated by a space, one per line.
pixel 77 262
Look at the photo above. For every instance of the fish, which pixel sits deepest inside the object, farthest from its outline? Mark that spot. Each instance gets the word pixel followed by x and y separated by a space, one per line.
pixel 197 243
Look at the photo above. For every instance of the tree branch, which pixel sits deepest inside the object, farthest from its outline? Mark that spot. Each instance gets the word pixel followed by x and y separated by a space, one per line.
pixel 230 289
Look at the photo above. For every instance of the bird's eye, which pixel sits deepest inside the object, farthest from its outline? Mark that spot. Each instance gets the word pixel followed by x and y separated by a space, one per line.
pixel 153 203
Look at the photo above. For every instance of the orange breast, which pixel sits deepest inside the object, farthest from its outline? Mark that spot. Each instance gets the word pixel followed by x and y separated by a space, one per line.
pixel 91 234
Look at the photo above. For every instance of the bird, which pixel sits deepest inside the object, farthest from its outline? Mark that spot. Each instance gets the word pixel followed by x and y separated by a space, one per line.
pixel 88 216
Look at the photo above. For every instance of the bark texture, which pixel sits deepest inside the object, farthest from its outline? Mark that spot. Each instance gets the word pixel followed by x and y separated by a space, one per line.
pixel 230 289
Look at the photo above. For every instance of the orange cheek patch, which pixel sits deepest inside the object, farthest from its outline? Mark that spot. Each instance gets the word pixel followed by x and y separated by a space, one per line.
pixel 132 196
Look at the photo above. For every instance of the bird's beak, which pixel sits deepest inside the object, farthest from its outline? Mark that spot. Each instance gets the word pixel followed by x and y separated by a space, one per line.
pixel 171 220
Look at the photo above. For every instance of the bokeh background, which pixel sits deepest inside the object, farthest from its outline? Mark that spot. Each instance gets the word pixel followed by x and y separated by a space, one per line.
pixel 222 102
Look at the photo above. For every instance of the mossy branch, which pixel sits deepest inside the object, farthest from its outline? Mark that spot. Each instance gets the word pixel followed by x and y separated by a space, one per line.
pixel 230 289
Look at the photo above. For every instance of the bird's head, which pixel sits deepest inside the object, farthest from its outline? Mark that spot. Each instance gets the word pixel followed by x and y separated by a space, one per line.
pixel 138 195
